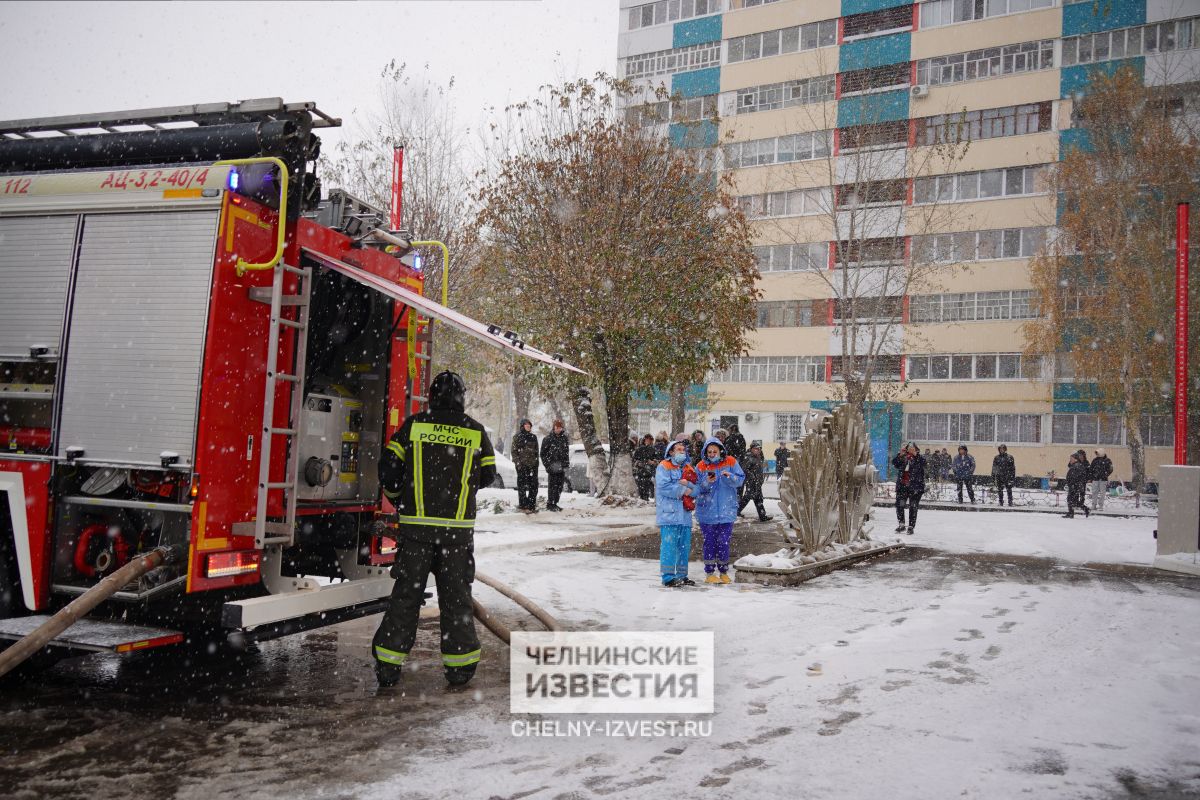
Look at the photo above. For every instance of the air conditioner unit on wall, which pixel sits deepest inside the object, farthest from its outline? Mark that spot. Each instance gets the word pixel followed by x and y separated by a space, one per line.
pixel 920 90
pixel 751 417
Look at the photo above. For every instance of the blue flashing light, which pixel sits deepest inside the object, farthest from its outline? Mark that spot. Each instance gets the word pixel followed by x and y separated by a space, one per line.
pixel 234 180
pixel 417 262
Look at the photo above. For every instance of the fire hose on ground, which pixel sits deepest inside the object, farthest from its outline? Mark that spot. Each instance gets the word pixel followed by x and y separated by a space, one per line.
pixel 80 606
pixel 139 565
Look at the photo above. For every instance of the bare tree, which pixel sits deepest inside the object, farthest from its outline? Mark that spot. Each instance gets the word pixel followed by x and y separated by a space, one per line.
pixel 850 185
pixel 604 239
pixel 1104 288
pixel 418 113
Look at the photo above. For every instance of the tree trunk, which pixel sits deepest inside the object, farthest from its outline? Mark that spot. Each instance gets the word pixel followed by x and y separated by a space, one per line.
pixel 585 420
pixel 616 402
pixel 1137 452
pixel 678 408
pixel 522 394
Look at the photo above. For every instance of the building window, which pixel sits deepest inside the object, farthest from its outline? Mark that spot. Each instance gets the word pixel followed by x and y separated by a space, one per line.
pixel 872 193
pixel 990 123
pixel 892 76
pixel 669 11
pixel 677 109
pixel 796 203
pixel 966 186
pixel 668 62
pixel 791 313
pixel 897 18
pixel 879 134
pixel 948 248
pixel 773 369
pixel 936 13
pixel 1011 59
pixel 792 257
pixel 869 252
pixel 789 427
pixel 1159 37
pixel 885 368
pixel 1157 430
pixel 784 40
pixel 986 367
pixel 867 309
pixel 1002 428
pixel 787 94
pixel 970 306
pixel 779 150
pixel 1094 429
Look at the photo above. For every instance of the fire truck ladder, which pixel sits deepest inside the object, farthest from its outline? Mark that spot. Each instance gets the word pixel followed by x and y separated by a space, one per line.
pixel 282 532
pixel 420 361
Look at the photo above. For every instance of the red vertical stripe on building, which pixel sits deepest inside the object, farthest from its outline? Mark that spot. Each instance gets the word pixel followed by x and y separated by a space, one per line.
pixel 916 16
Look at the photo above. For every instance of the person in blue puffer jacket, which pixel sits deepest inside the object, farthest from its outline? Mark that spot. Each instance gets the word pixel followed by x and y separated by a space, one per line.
pixel 672 515
pixel 719 476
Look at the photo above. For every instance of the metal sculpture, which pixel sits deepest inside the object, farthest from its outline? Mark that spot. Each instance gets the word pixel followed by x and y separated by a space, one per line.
pixel 828 487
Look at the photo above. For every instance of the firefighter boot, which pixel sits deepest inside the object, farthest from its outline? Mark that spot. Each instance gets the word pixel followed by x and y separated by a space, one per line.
pixel 387 674
pixel 459 676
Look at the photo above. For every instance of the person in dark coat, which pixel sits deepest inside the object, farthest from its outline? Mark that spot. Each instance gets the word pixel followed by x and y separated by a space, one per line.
pixel 525 459
pixel 1077 479
pixel 752 464
pixel 1004 473
pixel 645 462
pixel 1101 470
pixel 946 466
pixel 910 485
pixel 735 445
pixel 964 472
pixel 431 469
pixel 696 447
pixel 556 457
pixel 782 454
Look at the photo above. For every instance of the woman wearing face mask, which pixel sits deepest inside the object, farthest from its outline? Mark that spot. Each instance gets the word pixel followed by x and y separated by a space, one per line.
pixel 720 475
pixel 674 490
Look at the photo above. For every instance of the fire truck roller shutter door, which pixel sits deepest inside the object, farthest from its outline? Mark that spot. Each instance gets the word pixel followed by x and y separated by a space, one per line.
pixel 136 342
pixel 35 269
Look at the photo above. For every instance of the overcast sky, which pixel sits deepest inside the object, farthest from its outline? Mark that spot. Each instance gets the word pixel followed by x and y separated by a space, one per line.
pixel 72 58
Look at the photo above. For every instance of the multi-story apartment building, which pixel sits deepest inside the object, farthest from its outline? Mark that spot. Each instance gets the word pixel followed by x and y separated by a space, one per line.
pixel 820 108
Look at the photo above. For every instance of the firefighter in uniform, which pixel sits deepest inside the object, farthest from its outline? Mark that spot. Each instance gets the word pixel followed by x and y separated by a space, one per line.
pixel 430 470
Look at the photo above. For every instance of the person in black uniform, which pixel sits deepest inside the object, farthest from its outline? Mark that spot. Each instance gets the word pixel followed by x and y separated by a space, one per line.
pixel 430 470
pixel 556 457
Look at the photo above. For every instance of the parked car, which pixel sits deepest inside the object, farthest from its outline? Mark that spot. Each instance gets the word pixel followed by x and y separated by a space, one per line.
pixel 578 477
pixel 506 473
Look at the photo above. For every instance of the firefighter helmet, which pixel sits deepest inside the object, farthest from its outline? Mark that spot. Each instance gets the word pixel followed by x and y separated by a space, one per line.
pixel 448 390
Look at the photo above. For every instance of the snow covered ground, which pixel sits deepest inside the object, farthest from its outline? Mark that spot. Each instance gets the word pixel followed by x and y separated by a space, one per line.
pixel 1000 656
pixel 965 671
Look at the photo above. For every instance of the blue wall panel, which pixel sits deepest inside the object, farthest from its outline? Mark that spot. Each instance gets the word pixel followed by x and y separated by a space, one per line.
pixel 694 134
pixel 885 426
pixel 697 31
pixel 869 109
pixel 1071 138
pixel 1074 80
pixel 875 52
pixel 1102 15
pixel 696 83
pixel 862 6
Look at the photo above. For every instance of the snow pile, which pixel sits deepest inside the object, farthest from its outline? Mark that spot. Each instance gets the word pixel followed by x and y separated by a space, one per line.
pixel 790 558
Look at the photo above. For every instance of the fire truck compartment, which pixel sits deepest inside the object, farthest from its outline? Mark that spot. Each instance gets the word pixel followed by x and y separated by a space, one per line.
pixel 131 374
pixel 93 635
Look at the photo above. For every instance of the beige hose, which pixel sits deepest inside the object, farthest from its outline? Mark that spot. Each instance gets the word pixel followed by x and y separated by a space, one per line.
pixel 524 602
pixel 80 606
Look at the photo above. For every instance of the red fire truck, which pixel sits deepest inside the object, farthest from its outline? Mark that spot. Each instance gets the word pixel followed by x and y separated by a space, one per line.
pixel 198 353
